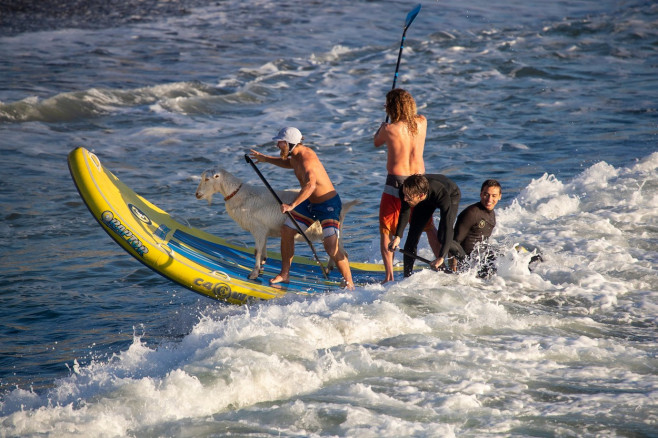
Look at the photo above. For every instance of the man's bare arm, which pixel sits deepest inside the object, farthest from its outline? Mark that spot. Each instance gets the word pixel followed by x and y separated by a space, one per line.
pixel 381 135
pixel 278 161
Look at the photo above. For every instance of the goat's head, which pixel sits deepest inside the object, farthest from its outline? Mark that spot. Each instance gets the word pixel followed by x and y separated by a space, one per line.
pixel 209 184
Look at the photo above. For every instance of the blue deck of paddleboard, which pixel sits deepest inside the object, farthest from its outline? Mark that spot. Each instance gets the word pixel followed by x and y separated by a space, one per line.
pixel 239 263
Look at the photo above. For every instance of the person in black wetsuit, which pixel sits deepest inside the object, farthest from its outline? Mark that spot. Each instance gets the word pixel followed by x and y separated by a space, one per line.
pixel 475 225
pixel 476 222
pixel 426 193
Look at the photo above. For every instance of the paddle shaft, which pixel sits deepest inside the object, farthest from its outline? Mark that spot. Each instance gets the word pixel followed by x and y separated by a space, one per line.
pixel 269 187
pixel 410 18
pixel 415 256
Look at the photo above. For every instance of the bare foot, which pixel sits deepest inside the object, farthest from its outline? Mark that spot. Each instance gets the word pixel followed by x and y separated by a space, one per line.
pixel 345 285
pixel 280 279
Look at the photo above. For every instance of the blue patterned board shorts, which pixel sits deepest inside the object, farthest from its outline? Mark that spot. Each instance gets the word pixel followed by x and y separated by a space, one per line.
pixel 327 212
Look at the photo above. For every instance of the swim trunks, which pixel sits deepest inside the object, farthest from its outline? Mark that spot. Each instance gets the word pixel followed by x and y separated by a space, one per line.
pixel 389 206
pixel 327 212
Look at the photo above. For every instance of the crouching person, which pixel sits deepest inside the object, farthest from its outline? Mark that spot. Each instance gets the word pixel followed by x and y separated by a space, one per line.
pixel 317 200
pixel 426 194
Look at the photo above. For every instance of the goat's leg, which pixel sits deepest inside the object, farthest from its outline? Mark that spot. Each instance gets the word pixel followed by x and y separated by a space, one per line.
pixel 263 256
pixel 258 256
pixel 254 273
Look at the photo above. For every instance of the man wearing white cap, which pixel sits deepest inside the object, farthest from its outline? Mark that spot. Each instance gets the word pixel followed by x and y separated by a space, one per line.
pixel 317 200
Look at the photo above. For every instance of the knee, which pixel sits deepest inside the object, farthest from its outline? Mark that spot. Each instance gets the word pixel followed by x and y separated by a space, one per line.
pixel 287 232
pixel 331 246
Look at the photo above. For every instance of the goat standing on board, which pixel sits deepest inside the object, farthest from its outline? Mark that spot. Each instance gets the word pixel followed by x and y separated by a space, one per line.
pixel 256 210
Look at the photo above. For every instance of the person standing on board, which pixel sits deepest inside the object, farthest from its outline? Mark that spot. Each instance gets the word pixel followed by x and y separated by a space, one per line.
pixel 426 193
pixel 317 200
pixel 405 141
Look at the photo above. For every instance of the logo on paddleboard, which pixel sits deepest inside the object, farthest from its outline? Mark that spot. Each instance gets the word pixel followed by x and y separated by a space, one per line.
pixel 221 291
pixel 121 230
pixel 139 214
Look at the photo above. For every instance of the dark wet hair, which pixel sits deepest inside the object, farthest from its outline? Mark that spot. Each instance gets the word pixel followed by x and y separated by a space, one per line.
pixel 491 183
pixel 416 185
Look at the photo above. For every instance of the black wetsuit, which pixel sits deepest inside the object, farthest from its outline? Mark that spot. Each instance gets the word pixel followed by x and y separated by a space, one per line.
pixel 475 224
pixel 444 195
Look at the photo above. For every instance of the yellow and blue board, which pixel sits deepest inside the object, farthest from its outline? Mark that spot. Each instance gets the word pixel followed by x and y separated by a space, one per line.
pixel 197 260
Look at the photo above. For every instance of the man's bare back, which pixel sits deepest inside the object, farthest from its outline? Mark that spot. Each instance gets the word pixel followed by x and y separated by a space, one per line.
pixel 405 151
pixel 312 176
pixel 405 141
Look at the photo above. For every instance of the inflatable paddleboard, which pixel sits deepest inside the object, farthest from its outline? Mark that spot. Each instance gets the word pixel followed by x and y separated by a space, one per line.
pixel 197 260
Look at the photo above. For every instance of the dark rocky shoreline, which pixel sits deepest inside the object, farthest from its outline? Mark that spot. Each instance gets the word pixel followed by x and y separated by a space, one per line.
pixel 19 16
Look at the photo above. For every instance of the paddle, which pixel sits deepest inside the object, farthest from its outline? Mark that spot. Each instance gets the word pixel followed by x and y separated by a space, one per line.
pixel 415 256
pixel 422 259
pixel 411 16
pixel 315 254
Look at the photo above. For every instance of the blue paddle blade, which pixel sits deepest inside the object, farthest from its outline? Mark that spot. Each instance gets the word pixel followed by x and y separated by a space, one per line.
pixel 411 16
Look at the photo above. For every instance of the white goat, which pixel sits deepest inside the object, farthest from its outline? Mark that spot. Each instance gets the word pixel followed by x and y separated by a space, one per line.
pixel 255 210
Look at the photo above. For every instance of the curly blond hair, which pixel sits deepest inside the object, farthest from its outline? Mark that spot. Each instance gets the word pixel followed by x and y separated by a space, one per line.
pixel 401 107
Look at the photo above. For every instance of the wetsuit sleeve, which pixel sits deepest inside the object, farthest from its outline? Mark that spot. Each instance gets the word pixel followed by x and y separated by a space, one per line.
pixel 465 221
pixel 403 219
pixel 446 230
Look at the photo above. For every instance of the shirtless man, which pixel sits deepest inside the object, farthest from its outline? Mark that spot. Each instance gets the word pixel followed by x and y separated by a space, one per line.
pixel 317 200
pixel 405 141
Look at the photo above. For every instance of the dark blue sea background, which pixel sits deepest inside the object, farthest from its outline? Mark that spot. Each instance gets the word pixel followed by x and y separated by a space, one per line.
pixel 557 100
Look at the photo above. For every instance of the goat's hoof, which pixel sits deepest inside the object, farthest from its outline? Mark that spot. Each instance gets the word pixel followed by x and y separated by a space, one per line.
pixel 253 276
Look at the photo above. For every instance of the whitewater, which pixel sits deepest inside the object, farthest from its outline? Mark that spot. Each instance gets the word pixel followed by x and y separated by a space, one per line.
pixel 556 101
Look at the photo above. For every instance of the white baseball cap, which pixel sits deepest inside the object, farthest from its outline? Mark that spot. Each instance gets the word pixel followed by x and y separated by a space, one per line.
pixel 290 135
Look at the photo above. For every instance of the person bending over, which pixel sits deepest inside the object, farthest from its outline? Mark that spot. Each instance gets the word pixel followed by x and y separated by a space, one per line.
pixel 426 193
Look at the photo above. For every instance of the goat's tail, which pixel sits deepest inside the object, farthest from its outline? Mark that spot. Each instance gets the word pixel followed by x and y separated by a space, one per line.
pixel 347 206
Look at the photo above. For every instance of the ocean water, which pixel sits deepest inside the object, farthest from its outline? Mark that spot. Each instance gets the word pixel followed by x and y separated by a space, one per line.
pixel 556 100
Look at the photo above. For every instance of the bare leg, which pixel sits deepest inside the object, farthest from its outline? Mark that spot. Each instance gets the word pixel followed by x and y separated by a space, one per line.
pixel 331 246
pixel 387 256
pixel 287 253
